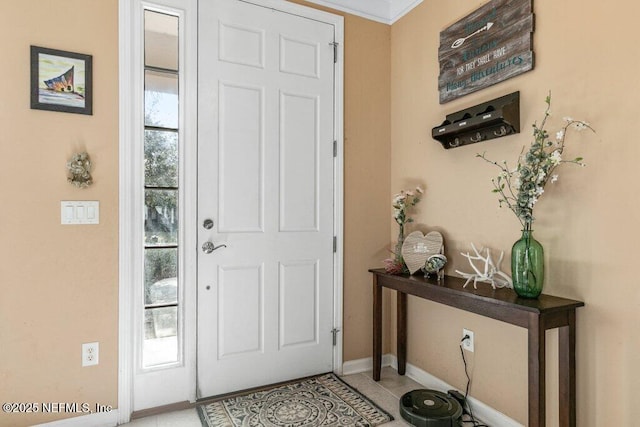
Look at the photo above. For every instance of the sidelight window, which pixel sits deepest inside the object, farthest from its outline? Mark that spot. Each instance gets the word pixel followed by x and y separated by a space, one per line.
pixel 161 285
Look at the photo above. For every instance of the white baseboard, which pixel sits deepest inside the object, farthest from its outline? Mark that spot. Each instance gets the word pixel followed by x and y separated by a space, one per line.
pixel 487 414
pixel 102 419
pixel 363 365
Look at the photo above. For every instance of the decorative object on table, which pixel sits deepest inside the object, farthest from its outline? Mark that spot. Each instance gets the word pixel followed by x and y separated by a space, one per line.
pixel 491 272
pixel 489 45
pixel 435 265
pixel 520 188
pixel 401 204
pixel 324 400
pixel 61 81
pixel 417 248
pixel 79 167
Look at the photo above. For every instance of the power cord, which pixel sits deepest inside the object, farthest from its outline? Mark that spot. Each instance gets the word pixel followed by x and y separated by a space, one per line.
pixel 473 420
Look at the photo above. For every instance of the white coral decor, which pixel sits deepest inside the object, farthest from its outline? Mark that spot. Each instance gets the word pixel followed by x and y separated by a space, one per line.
pixel 491 272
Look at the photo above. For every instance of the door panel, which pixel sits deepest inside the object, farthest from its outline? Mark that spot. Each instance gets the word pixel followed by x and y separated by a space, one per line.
pixel 299 150
pixel 241 183
pixel 265 178
pixel 299 57
pixel 241 45
pixel 240 331
pixel 299 304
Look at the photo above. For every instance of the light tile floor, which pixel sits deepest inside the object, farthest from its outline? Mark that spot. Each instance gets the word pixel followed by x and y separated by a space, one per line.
pixel 386 393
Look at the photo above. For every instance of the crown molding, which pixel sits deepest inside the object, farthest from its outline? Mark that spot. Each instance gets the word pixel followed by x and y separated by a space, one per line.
pixel 399 8
pixel 384 11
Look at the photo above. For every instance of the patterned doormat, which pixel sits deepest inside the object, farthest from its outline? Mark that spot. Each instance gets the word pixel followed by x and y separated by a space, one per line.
pixel 324 400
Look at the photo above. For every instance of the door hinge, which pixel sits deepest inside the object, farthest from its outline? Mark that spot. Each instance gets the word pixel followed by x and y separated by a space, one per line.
pixel 334 332
pixel 335 244
pixel 335 148
pixel 335 51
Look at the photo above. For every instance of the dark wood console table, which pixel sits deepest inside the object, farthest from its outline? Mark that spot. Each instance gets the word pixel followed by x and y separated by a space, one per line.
pixel 536 315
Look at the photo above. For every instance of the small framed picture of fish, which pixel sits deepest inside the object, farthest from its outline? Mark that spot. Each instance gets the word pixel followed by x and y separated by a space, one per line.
pixel 61 81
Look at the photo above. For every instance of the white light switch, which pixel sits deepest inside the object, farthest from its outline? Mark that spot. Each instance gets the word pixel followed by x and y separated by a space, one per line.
pixel 80 212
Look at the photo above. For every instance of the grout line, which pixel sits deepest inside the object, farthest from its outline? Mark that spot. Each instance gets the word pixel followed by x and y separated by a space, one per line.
pixel 380 386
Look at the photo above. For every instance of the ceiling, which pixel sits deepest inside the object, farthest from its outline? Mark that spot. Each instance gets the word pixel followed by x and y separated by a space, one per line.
pixel 385 11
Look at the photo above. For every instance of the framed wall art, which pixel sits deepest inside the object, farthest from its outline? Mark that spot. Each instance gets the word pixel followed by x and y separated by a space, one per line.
pixel 489 45
pixel 61 81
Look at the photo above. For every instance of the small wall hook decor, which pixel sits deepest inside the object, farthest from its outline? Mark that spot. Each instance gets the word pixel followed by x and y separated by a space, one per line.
pixel 79 167
pixel 493 119
pixel 478 137
pixel 501 132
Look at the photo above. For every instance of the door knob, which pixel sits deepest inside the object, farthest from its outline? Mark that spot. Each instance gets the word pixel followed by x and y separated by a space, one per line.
pixel 208 224
pixel 208 247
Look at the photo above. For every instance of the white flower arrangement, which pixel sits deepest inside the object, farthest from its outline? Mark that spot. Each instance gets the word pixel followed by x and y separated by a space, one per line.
pixel 402 201
pixel 520 188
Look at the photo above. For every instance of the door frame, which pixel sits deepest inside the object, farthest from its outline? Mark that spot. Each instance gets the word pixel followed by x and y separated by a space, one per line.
pixel 129 211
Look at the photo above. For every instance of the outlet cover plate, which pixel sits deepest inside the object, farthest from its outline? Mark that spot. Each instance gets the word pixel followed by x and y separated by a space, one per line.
pixel 90 353
pixel 468 344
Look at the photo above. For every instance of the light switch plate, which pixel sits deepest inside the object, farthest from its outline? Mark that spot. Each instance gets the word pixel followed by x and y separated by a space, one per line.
pixel 79 212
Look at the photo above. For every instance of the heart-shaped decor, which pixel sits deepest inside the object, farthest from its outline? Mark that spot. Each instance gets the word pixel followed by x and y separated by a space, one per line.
pixel 417 248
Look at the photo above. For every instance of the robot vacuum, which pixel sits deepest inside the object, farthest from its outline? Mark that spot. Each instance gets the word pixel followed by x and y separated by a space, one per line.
pixel 430 408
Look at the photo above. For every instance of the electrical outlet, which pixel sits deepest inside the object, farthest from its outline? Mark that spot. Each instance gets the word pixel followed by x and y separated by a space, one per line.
pixel 90 353
pixel 469 343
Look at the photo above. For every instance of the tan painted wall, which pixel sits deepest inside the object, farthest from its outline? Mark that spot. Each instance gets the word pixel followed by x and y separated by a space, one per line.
pixel 58 284
pixel 586 221
pixel 367 171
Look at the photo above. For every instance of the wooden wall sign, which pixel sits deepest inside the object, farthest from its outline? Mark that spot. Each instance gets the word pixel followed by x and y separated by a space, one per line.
pixel 490 45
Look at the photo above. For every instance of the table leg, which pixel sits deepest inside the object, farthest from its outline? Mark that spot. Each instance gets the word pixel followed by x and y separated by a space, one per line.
pixel 567 368
pixel 377 328
pixel 401 331
pixel 536 371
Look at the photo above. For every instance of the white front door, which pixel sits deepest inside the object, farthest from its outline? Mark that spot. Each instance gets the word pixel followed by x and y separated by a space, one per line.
pixel 266 183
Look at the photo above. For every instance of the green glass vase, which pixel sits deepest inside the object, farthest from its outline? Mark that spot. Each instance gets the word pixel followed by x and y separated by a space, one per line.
pixel 527 266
